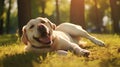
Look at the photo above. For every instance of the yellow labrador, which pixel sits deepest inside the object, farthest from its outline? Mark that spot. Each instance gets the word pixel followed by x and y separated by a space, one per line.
pixel 40 35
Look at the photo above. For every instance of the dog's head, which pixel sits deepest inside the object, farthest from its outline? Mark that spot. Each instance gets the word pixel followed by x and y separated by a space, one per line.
pixel 38 31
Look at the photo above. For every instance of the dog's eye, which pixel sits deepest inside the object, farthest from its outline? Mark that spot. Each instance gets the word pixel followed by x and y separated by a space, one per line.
pixel 31 26
pixel 42 21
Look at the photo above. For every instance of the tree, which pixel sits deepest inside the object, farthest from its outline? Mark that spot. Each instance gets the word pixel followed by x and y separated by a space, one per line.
pixel 57 12
pixel 115 9
pixel 98 17
pixel 95 13
pixel 43 5
pixel 8 18
pixel 1 15
pixel 77 12
pixel 24 13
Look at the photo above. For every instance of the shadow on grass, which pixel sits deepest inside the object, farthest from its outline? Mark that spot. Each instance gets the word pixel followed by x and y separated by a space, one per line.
pixel 33 60
pixel 8 39
pixel 22 60
pixel 111 62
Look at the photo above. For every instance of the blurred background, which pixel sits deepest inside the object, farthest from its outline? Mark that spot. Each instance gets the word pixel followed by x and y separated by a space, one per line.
pixel 96 16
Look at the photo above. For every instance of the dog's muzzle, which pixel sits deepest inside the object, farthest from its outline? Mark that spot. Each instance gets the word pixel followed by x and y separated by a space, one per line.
pixel 42 30
pixel 45 40
pixel 45 37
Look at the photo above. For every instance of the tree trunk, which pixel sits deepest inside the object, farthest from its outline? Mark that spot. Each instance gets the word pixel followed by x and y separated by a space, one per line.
pixel 8 18
pixel 77 12
pixel 24 13
pixel 1 16
pixel 43 5
pixel 115 9
pixel 98 18
pixel 57 12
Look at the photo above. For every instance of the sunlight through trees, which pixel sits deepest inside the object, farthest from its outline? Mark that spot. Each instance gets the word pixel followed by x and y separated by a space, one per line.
pixel 87 13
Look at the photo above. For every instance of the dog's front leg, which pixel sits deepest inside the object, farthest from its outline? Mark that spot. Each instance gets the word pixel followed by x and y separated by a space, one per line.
pixel 79 51
pixel 61 52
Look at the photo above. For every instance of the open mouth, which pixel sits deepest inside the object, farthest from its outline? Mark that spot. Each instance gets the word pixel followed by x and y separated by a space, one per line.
pixel 44 40
pixel 45 37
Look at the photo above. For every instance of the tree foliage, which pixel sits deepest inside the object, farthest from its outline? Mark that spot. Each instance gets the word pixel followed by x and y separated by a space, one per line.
pixel 97 9
pixel 90 16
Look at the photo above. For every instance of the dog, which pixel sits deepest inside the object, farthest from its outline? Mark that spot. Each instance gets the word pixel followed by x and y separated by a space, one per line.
pixel 41 35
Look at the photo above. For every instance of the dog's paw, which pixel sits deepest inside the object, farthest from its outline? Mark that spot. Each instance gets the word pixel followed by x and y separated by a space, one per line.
pixel 100 43
pixel 85 52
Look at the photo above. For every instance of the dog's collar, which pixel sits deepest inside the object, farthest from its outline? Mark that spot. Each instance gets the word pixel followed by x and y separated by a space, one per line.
pixel 40 47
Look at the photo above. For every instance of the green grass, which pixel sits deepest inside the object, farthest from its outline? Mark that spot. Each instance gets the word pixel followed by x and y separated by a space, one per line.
pixel 13 55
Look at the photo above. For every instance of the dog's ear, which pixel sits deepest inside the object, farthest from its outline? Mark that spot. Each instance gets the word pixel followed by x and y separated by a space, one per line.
pixel 24 38
pixel 52 25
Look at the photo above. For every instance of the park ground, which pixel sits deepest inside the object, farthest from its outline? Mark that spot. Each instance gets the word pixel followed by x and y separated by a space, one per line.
pixel 13 55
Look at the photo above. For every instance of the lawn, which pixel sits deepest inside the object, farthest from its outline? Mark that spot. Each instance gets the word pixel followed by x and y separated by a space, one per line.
pixel 13 55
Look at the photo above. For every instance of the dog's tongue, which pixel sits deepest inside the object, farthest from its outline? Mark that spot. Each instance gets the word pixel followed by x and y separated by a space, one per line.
pixel 45 40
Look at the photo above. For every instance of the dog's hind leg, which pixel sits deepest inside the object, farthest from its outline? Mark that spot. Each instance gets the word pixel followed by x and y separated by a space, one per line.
pixel 76 30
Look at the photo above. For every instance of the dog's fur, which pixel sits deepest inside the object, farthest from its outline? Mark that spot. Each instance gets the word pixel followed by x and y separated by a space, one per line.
pixel 40 35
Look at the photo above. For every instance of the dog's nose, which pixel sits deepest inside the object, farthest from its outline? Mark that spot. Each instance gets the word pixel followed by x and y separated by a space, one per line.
pixel 41 29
